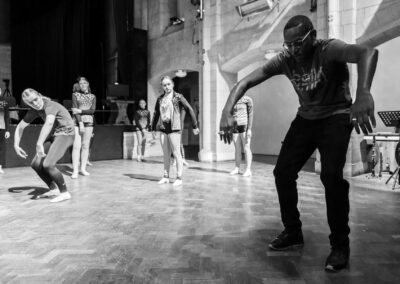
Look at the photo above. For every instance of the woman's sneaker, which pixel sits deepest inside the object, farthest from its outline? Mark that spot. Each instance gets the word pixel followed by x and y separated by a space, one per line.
pixel 163 180
pixel 177 182
pixel 247 173
pixel 63 196
pixel 286 241
pixel 235 171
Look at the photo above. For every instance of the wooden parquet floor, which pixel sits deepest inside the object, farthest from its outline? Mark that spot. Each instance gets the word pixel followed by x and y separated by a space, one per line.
pixel 121 227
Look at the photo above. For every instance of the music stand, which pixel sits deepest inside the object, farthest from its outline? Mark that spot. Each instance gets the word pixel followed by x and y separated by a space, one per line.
pixel 392 119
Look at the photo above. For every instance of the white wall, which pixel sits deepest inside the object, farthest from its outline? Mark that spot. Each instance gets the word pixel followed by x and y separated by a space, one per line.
pixel 386 83
pixel 275 106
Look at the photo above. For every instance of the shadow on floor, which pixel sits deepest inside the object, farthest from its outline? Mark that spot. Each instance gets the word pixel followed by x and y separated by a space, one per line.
pixel 36 191
pixel 142 177
pixel 271 160
pixel 209 170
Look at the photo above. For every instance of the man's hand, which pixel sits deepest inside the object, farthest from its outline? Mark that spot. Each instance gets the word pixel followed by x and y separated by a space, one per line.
pixel 7 134
pixel 226 126
pixel 40 150
pixel 76 110
pixel 20 152
pixel 196 131
pixel 362 111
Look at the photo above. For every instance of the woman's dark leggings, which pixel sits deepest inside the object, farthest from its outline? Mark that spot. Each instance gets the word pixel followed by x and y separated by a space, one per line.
pixel 45 167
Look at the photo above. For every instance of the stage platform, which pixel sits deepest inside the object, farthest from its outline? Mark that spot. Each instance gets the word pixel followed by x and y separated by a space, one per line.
pixel 121 227
pixel 107 144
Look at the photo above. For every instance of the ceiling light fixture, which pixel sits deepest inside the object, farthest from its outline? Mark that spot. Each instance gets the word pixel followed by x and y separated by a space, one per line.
pixel 254 6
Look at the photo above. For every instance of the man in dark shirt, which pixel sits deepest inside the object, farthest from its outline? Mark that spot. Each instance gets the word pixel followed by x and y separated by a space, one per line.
pixel 318 71
pixel 59 129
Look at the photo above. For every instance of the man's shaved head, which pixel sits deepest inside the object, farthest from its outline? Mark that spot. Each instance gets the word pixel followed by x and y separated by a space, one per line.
pixel 301 22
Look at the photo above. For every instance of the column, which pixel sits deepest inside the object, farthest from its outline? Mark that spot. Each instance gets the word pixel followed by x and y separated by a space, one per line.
pixel 214 87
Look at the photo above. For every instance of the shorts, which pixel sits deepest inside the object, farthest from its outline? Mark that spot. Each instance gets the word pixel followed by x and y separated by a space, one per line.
pixel 239 128
pixel 167 128
pixel 86 124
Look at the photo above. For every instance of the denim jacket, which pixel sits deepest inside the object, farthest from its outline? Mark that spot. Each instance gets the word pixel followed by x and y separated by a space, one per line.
pixel 178 102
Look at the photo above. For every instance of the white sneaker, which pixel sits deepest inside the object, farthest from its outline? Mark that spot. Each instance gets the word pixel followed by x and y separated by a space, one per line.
pixel 163 180
pixel 89 163
pixel 85 173
pixel 63 196
pixel 74 175
pixel 247 173
pixel 185 163
pixel 50 193
pixel 1 170
pixel 139 158
pixel 177 182
pixel 234 172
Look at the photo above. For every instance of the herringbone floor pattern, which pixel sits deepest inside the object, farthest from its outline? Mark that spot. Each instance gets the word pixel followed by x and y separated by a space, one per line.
pixel 121 227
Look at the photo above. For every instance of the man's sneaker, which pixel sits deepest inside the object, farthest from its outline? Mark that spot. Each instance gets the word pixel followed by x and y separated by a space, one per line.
pixel 63 196
pixel 185 163
pixel 337 259
pixel 287 240
pixel 235 171
pixel 163 180
pixel 50 193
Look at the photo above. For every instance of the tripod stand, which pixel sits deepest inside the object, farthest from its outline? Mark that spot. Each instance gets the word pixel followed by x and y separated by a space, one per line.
pixel 396 173
pixel 392 119
pixel 7 92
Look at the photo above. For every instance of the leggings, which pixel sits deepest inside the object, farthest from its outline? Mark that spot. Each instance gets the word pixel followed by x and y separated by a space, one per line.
pixel 45 167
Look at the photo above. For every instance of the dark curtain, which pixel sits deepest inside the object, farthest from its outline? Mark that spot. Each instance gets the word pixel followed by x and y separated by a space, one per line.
pixel 55 41
pixel 122 11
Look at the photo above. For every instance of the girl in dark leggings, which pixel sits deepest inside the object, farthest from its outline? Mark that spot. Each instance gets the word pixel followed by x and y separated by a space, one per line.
pixel 58 128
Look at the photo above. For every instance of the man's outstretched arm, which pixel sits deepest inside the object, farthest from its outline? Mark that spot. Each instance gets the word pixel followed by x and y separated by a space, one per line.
pixel 366 58
pixel 256 77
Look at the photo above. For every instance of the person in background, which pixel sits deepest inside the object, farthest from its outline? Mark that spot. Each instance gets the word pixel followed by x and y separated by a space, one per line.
pixel 243 116
pixel 83 108
pixel 142 123
pixel 4 128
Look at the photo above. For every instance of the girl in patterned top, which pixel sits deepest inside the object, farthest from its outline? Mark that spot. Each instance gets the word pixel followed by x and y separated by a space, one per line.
pixel 142 121
pixel 83 108
pixel 243 121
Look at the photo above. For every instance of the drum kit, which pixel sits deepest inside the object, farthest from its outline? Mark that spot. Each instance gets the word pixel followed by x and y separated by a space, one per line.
pixel 390 119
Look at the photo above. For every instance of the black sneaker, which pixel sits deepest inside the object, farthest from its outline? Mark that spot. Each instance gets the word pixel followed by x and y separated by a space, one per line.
pixel 287 240
pixel 337 259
